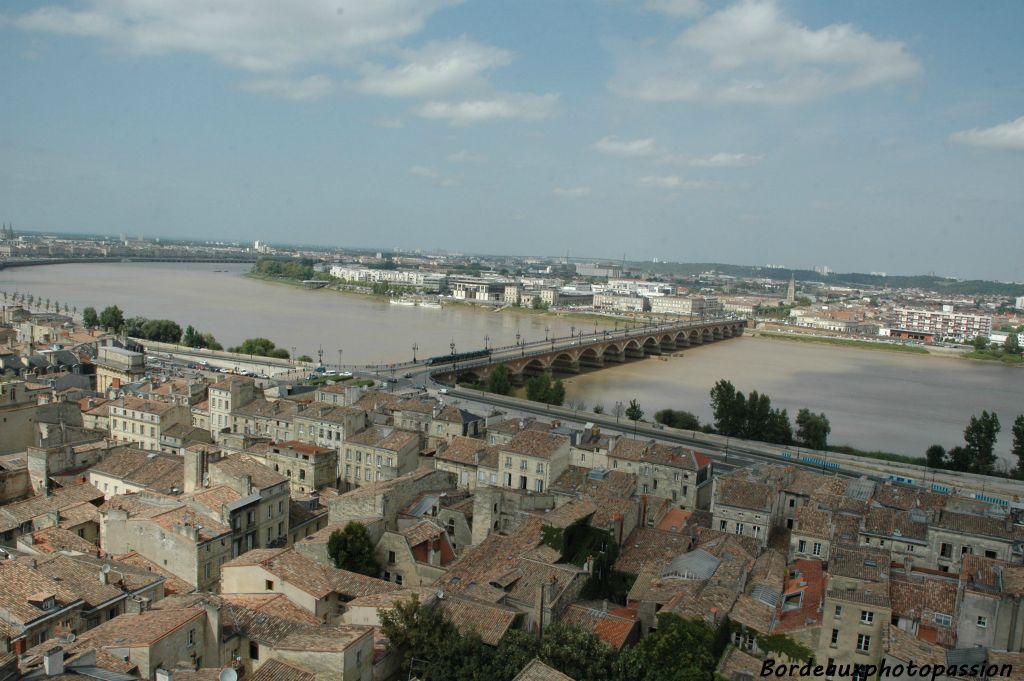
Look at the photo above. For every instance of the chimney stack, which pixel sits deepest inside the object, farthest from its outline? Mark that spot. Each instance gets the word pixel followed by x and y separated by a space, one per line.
pixel 53 661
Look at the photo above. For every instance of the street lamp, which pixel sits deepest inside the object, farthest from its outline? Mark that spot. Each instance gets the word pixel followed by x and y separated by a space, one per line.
pixel 415 347
pixel 572 331
pixel 487 340
pixel 339 359
pixel 547 330
pixel 517 336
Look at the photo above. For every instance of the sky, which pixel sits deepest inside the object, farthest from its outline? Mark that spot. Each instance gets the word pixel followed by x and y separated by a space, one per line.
pixel 863 136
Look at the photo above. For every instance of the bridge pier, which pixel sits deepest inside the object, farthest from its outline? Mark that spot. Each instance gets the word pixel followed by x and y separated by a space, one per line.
pixel 565 367
pixel 591 362
pixel 668 346
pixel 613 356
pixel 634 353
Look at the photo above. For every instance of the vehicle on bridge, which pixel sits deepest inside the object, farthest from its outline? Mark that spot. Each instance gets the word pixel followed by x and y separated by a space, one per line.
pixel 456 357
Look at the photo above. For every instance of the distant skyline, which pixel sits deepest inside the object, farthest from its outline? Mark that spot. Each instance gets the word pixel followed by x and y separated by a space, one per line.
pixel 865 136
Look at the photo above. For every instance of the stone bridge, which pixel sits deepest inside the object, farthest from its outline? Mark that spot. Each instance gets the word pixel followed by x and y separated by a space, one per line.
pixel 595 352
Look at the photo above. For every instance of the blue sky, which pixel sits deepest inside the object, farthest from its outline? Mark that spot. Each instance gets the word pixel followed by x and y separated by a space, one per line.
pixel 866 136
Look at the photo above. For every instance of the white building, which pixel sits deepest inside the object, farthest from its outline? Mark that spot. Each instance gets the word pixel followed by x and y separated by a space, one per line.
pixel 945 323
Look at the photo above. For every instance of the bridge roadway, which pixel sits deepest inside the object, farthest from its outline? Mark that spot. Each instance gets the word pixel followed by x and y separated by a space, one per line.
pixel 733 452
pixel 571 354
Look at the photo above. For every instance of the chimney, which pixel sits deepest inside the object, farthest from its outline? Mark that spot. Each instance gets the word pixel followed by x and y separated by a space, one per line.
pixel 103 575
pixel 53 661
pixel 164 675
pixel 549 590
pixel 213 616
pixel 247 484
pixel 604 605
pixel 908 565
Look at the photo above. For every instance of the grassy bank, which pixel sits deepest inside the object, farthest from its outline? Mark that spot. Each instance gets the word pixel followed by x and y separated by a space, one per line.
pixel 847 342
pixel 883 456
pixel 996 356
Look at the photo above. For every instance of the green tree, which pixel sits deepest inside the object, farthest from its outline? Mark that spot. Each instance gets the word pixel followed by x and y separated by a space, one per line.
pixel 262 347
pixel 538 387
pixel 500 382
pixel 683 420
pixel 634 412
pixel 112 318
pixel 959 459
pixel 208 341
pixel 1018 446
pixel 417 631
pixel 780 431
pixel 678 650
pixel 133 327
pixel 304 358
pixel 161 330
pixel 1012 344
pixel 577 653
pixel 936 456
pixel 728 408
pixel 90 318
pixel 556 395
pixel 351 549
pixel 598 408
pixel 980 343
pixel 980 436
pixel 812 429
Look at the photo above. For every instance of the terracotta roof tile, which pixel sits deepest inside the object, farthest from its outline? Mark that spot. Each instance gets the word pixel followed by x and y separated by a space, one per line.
pixel 614 630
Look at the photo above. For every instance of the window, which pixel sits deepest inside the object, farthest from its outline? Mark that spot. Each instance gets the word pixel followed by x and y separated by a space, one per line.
pixel 540 468
pixel 207 568
pixel 835 638
pixel 839 611
pixel 254 650
pixel 721 526
pixel 508 462
pixel 801 546
pixel 943 620
pixel 191 637
pixel 792 503
pixel 982 621
pixel 398 579
pixel 269 585
pixel 302 474
pixel 539 484
pixel 757 530
pixel 816 549
pixel 391 557
pixel 450 526
pixel 990 554
pixel 946 550
pixel 739 528
pixel 867 617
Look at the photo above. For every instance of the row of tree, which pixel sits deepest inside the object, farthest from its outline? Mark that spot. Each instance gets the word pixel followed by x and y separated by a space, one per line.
pixel 260 347
pixel 286 269
pixel 1011 345
pixel 161 330
pixel 433 650
pixel 977 454
pixel 752 417
pixel 30 301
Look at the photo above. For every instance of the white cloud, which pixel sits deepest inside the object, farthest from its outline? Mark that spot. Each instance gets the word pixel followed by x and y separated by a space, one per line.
pixel 671 182
pixel 304 90
pixel 255 35
pixel 497 106
pixel 723 160
pixel 1003 136
pixel 463 156
pixel 751 53
pixel 433 175
pixel 676 8
pixel 638 148
pixel 571 192
pixel 436 69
